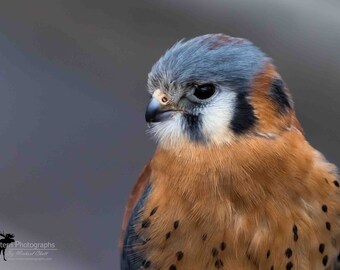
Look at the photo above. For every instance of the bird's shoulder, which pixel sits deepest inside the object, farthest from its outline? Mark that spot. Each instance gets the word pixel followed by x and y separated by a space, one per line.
pixel 135 196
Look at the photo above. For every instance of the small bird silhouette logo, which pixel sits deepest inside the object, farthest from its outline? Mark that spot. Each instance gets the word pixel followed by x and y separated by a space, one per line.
pixel 7 239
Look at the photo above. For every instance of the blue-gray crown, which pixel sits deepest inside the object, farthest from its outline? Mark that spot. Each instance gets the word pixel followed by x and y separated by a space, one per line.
pixel 215 58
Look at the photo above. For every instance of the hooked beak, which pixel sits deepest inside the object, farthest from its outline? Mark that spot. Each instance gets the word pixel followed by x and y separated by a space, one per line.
pixel 156 112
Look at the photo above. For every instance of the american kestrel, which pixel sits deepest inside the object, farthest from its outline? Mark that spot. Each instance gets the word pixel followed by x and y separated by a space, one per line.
pixel 233 183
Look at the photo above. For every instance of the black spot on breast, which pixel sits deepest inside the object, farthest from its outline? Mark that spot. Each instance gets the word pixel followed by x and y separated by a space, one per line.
pixel 223 246
pixel 145 241
pixel 204 237
pixel 146 223
pixel 336 183
pixel 328 226
pixel 172 267
pixel 289 252
pixel 176 224
pixel 214 252
pixel 179 255
pixel 321 248
pixel 325 260
pixel 167 235
pixel 289 265
pixel 272 267
pixel 193 127
pixel 268 253
pixel 154 211
pixel 279 96
pixel 146 264
pixel 338 258
pixel 324 208
pixel 219 263
pixel 295 233
pixel 244 117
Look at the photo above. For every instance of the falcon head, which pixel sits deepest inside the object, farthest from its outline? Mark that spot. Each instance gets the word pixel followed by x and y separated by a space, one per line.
pixel 214 89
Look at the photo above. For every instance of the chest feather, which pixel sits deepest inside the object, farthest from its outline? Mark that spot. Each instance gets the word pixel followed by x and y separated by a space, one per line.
pixel 276 211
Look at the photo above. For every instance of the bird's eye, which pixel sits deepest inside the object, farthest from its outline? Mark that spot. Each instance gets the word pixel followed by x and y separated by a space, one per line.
pixel 204 91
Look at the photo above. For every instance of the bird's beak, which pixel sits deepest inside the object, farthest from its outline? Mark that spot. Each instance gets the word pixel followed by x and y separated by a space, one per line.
pixel 158 109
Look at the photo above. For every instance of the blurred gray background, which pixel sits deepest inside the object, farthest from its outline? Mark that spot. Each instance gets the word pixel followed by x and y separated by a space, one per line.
pixel 73 93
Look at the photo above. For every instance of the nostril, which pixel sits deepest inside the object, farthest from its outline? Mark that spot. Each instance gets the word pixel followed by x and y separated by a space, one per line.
pixel 164 99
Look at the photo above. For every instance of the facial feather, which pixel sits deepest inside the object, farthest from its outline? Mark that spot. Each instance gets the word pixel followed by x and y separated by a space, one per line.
pixel 216 117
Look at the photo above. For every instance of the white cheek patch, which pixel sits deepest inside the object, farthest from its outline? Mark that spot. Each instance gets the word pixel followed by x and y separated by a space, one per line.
pixel 169 133
pixel 217 116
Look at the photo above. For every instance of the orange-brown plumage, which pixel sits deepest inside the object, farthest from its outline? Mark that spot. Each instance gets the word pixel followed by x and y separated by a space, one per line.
pixel 250 200
pixel 266 199
pixel 271 120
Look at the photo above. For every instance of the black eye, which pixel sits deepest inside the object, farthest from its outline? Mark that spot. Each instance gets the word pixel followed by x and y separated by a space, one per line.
pixel 204 91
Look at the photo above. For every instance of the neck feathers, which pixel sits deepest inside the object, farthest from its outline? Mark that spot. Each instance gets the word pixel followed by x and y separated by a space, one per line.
pixel 244 172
